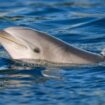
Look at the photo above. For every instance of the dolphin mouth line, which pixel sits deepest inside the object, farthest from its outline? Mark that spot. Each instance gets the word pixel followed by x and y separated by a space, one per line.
pixel 3 35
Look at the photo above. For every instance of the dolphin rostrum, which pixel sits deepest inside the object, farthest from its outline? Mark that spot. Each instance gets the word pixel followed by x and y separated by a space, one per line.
pixel 28 45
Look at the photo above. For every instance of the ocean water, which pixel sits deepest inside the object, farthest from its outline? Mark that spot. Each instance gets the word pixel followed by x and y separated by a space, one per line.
pixel 81 23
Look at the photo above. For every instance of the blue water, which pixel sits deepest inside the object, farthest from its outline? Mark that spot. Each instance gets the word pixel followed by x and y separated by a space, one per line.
pixel 78 22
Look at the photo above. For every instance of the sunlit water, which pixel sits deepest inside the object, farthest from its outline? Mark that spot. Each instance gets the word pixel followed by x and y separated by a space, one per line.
pixel 78 22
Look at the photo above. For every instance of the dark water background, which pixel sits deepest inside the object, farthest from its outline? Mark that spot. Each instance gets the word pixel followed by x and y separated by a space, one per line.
pixel 78 22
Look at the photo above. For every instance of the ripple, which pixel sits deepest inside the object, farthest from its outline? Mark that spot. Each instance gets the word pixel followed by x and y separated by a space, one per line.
pixel 80 23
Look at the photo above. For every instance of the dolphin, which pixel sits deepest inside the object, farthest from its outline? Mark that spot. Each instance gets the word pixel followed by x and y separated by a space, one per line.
pixel 31 46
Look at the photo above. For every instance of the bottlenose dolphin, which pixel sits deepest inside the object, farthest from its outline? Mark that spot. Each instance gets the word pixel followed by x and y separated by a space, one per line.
pixel 29 45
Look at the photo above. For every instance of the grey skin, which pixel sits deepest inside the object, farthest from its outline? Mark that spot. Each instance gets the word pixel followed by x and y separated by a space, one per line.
pixel 25 43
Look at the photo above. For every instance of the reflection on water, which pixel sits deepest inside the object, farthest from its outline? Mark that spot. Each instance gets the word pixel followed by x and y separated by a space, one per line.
pixel 16 78
pixel 80 86
pixel 78 22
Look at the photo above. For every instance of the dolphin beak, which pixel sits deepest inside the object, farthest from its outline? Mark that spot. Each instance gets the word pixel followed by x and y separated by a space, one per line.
pixel 5 37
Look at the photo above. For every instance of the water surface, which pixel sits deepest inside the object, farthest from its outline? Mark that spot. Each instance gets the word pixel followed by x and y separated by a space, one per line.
pixel 78 22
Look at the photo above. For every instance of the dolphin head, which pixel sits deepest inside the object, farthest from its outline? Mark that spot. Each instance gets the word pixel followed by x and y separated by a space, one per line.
pixel 26 43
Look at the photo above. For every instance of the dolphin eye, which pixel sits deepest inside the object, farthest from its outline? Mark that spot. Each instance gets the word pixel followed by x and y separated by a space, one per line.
pixel 37 50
